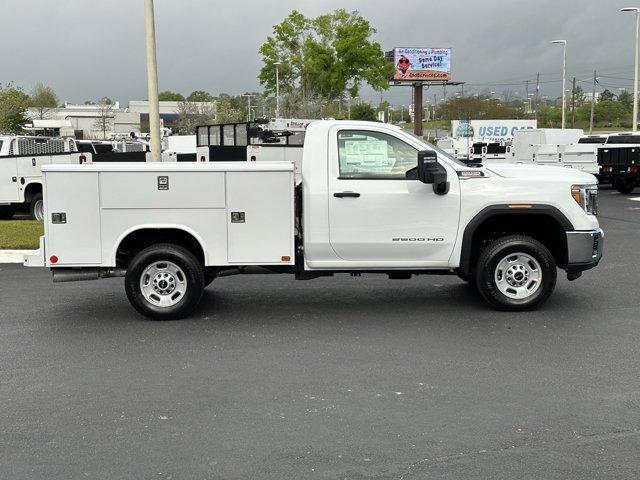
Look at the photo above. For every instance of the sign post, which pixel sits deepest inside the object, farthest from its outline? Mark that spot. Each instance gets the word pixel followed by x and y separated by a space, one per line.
pixel 417 108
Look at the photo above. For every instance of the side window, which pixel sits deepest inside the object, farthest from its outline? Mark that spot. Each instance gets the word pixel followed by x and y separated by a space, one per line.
pixel 372 155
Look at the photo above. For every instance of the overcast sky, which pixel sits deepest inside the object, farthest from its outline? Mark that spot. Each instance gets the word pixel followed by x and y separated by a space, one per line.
pixel 87 49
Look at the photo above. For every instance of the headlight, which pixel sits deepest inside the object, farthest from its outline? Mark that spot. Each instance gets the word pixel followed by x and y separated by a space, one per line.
pixel 587 197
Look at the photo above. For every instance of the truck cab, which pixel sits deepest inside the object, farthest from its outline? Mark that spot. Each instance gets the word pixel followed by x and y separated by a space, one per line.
pixel 373 199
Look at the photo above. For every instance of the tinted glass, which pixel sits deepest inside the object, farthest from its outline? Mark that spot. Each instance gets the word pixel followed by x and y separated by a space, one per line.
pixel 599 140
pixel 622 139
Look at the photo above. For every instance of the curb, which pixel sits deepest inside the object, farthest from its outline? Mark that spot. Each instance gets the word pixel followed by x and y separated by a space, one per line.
pixel 13 256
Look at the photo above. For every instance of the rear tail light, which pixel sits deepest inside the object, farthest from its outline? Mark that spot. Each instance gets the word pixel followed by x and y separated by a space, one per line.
pixel 607 169
pixel 53 259
pixel 83 159
pixel 633 169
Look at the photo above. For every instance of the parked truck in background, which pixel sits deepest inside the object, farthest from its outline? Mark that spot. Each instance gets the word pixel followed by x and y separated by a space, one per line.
pixel 21 160
pixel 619 161
pixel 373 199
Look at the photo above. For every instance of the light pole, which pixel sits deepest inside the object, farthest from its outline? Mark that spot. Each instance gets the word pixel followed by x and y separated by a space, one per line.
pixel 248 106
pixel 564 77
pixel 635 68
pixel 277 64
pixel 152 82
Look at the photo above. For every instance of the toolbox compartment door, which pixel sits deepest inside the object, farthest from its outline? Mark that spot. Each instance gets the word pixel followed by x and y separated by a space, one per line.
pixel 76 241
pixel 260 218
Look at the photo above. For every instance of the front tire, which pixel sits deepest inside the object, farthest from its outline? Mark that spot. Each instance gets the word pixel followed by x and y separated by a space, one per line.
pixel 165 282
pixel 36 208
pixel 516 273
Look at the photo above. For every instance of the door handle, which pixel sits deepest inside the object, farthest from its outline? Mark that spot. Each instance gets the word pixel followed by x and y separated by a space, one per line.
pixel 346 194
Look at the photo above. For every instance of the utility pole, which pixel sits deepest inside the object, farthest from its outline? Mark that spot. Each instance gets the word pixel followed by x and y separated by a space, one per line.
pixel 248 106
pixel 593 101
pixel 573 104
pixel 152 82
pixel 277 64
pixel 564 78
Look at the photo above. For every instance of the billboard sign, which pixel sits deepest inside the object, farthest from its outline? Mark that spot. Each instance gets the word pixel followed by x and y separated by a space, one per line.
pixel 490 129
pixel 422 64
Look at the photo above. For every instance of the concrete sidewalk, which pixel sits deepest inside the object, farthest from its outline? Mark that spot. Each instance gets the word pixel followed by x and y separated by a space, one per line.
pixel 13 256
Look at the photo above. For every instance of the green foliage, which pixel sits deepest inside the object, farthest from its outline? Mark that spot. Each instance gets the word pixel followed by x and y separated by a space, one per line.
pixel 607 95
pixel 13 108
pixel 610 112
pixel 549 117
pixel 200 96
pixel 363 111
pixel 477 108
pixel 323 58
pixel 168 96
pixel 626 99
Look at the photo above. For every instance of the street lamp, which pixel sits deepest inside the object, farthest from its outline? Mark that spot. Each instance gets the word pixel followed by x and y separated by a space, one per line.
pixel 277 64
pixel 635 68
pixel 564 77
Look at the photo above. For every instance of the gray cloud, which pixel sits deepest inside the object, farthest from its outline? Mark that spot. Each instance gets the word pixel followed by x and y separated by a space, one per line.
pixel 86 49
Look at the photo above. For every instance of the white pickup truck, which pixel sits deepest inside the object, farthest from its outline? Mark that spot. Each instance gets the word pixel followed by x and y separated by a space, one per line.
pixel 21 159
pixel 373 199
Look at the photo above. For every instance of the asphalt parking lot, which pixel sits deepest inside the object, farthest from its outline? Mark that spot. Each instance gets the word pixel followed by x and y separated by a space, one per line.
pixel 345 378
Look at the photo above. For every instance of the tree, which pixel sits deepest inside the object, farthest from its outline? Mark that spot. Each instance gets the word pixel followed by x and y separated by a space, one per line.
pixel 104 121
pixel 626 99
pixel 13 108
pixel 168 96
pixel 193 114
pixel 43 99
pixel 200 96
pixel 323 58
pixel 227 113
pixel 610 112
pixel 607 95
pixel 363 111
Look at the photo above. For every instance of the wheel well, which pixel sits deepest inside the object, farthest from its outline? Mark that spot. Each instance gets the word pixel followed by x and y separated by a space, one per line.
pixel 137 241
pixel 542 227
pixel 31 191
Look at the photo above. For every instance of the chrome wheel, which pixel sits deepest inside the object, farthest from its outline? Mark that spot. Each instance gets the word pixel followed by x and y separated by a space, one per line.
pixel 38 210
pixel 163 284
pixel 518 276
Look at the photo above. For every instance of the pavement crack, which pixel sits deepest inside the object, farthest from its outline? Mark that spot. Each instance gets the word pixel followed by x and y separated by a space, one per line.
pixel 578 440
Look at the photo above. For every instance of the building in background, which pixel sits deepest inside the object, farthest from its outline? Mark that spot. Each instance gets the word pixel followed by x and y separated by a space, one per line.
pixel 94 121
pixel 171 112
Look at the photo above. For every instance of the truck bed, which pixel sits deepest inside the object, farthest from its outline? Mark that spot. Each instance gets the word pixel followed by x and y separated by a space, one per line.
pixel 240 213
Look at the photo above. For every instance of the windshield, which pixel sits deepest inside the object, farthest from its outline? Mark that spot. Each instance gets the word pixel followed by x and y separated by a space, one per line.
pixel 430 146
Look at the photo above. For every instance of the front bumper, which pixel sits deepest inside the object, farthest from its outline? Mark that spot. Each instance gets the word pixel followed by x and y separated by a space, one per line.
pixel 584 251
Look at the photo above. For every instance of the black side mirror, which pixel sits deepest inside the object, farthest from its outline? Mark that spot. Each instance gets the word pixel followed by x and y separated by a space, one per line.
pixel 430 171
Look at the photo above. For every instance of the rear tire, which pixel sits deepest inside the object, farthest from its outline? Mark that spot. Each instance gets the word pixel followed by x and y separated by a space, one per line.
pixel 626 186
pixel 165 282
pixel 516 273
pixel 36 208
